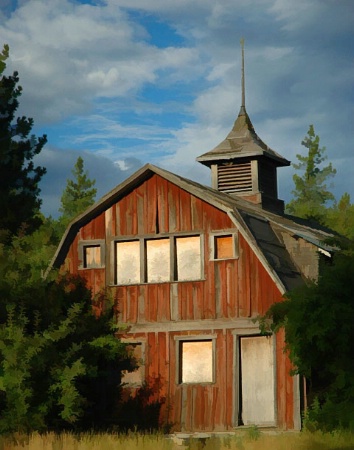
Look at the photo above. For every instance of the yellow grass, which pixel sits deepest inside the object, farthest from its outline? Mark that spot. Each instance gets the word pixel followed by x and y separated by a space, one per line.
pixel 251 440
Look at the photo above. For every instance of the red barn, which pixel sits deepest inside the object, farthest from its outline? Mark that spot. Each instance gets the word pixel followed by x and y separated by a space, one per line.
pixel 190 268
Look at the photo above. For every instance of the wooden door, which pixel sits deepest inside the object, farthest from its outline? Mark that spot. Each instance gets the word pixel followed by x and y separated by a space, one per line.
pixel 257 380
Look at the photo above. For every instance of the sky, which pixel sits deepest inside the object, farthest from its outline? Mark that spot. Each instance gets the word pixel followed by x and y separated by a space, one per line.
pixel 123 83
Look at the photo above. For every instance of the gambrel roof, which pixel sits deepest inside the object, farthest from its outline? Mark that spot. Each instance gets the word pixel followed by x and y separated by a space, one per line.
pixel 262 229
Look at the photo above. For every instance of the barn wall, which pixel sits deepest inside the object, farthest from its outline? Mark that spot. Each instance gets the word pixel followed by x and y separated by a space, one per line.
pixel 231 289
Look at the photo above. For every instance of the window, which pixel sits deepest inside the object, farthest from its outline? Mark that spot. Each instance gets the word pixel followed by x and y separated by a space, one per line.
pixel 188 258
pixel 135 378
pixel 158 260
pixel 91 254
pixel 196 361
pixel 223 246
pixel 128 262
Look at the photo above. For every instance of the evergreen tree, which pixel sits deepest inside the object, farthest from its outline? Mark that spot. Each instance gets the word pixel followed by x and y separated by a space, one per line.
pixel 340 217
pixel 60 361
pixel 19 178
pixel 311 194
pixel 78 195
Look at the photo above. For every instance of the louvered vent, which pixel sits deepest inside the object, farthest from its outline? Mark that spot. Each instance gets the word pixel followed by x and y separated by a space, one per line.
pixel 235 178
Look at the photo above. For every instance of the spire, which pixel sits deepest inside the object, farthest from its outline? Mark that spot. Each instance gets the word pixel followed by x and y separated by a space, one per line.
pixel 242 164
pixel 243 104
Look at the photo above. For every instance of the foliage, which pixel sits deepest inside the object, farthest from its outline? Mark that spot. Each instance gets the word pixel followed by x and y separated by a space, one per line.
pixel 78 195
pixel 30 254
pixel 340 217
pixel 311 194
pixel 60 363
pixel 19 178
pixel 318 320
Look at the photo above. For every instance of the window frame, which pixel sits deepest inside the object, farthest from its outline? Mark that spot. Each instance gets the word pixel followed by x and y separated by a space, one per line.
pixel 179 340
pixel 224 233
pixel 83 244
pixel 143 256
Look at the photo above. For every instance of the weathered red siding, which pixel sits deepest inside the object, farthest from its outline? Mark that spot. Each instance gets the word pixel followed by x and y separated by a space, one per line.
pixel 230 289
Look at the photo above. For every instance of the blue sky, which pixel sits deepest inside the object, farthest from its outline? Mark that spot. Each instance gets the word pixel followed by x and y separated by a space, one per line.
pixel 126 82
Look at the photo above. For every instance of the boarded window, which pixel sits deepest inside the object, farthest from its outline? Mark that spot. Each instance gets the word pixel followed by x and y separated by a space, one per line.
pixel 188 258
pixel 158 260
pixel 196 361
pixel 128 262
pixel 223 247
pixel 135 378
pixel 92 256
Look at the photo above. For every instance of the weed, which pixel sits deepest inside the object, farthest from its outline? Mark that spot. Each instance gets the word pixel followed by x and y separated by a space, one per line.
pixel 253 433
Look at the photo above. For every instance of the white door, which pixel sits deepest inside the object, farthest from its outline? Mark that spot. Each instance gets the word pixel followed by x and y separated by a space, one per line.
pixel 257 380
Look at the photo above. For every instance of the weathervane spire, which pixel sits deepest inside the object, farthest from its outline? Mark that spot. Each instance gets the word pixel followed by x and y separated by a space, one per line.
pixel 243 104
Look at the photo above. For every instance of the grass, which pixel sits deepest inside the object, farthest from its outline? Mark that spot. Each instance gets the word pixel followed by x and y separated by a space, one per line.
pixel 249 440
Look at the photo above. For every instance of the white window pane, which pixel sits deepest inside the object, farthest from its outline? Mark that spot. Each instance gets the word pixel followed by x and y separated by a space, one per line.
pixel 158 260
pixel 128 262
pixel 92 256
pixel 197 361
pixel 188 258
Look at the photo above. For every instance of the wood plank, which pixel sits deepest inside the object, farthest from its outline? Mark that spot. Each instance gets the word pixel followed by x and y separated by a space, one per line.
pixel 132 304
pixel 130 207
pixel 151 304
pixel 219 284
pixel 150 205
pixel 196 213
pixel 99 227
pixel 198 294
pixel 173 207
pixel 162 203
pixel 162 365
pixel 140 208
pixel 163 302
pixel 185 214
pixel 142 299
pixel 174 302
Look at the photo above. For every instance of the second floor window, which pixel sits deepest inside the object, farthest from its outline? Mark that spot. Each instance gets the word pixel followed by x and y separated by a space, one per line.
pixel 172 258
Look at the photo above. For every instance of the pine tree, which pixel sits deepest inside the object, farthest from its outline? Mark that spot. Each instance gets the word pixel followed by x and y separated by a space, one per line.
pixel 340 217
pixel 78 195
pixel 19 178
pixel 311 194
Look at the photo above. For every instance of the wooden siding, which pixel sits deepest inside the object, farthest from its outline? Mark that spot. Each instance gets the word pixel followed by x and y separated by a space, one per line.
pixel 229 290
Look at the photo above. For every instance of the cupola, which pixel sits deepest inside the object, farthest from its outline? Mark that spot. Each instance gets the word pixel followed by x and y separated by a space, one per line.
pixel 243 165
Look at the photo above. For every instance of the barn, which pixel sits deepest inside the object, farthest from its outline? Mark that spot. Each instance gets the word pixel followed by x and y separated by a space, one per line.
pixel 190 268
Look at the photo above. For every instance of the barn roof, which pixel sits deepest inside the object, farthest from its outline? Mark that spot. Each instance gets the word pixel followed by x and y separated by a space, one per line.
pixel 262 229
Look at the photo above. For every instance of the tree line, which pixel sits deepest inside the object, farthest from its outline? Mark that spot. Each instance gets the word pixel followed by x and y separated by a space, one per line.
pixel 61 365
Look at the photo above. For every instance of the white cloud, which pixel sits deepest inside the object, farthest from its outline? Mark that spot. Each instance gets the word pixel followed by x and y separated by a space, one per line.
pixel 92 65
pixel 67 54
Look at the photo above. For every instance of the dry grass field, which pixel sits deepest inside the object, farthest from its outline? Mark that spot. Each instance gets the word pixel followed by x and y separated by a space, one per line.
pixel 249 440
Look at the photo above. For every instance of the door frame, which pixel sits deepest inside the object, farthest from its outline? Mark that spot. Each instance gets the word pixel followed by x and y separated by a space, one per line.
pixel 237 335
